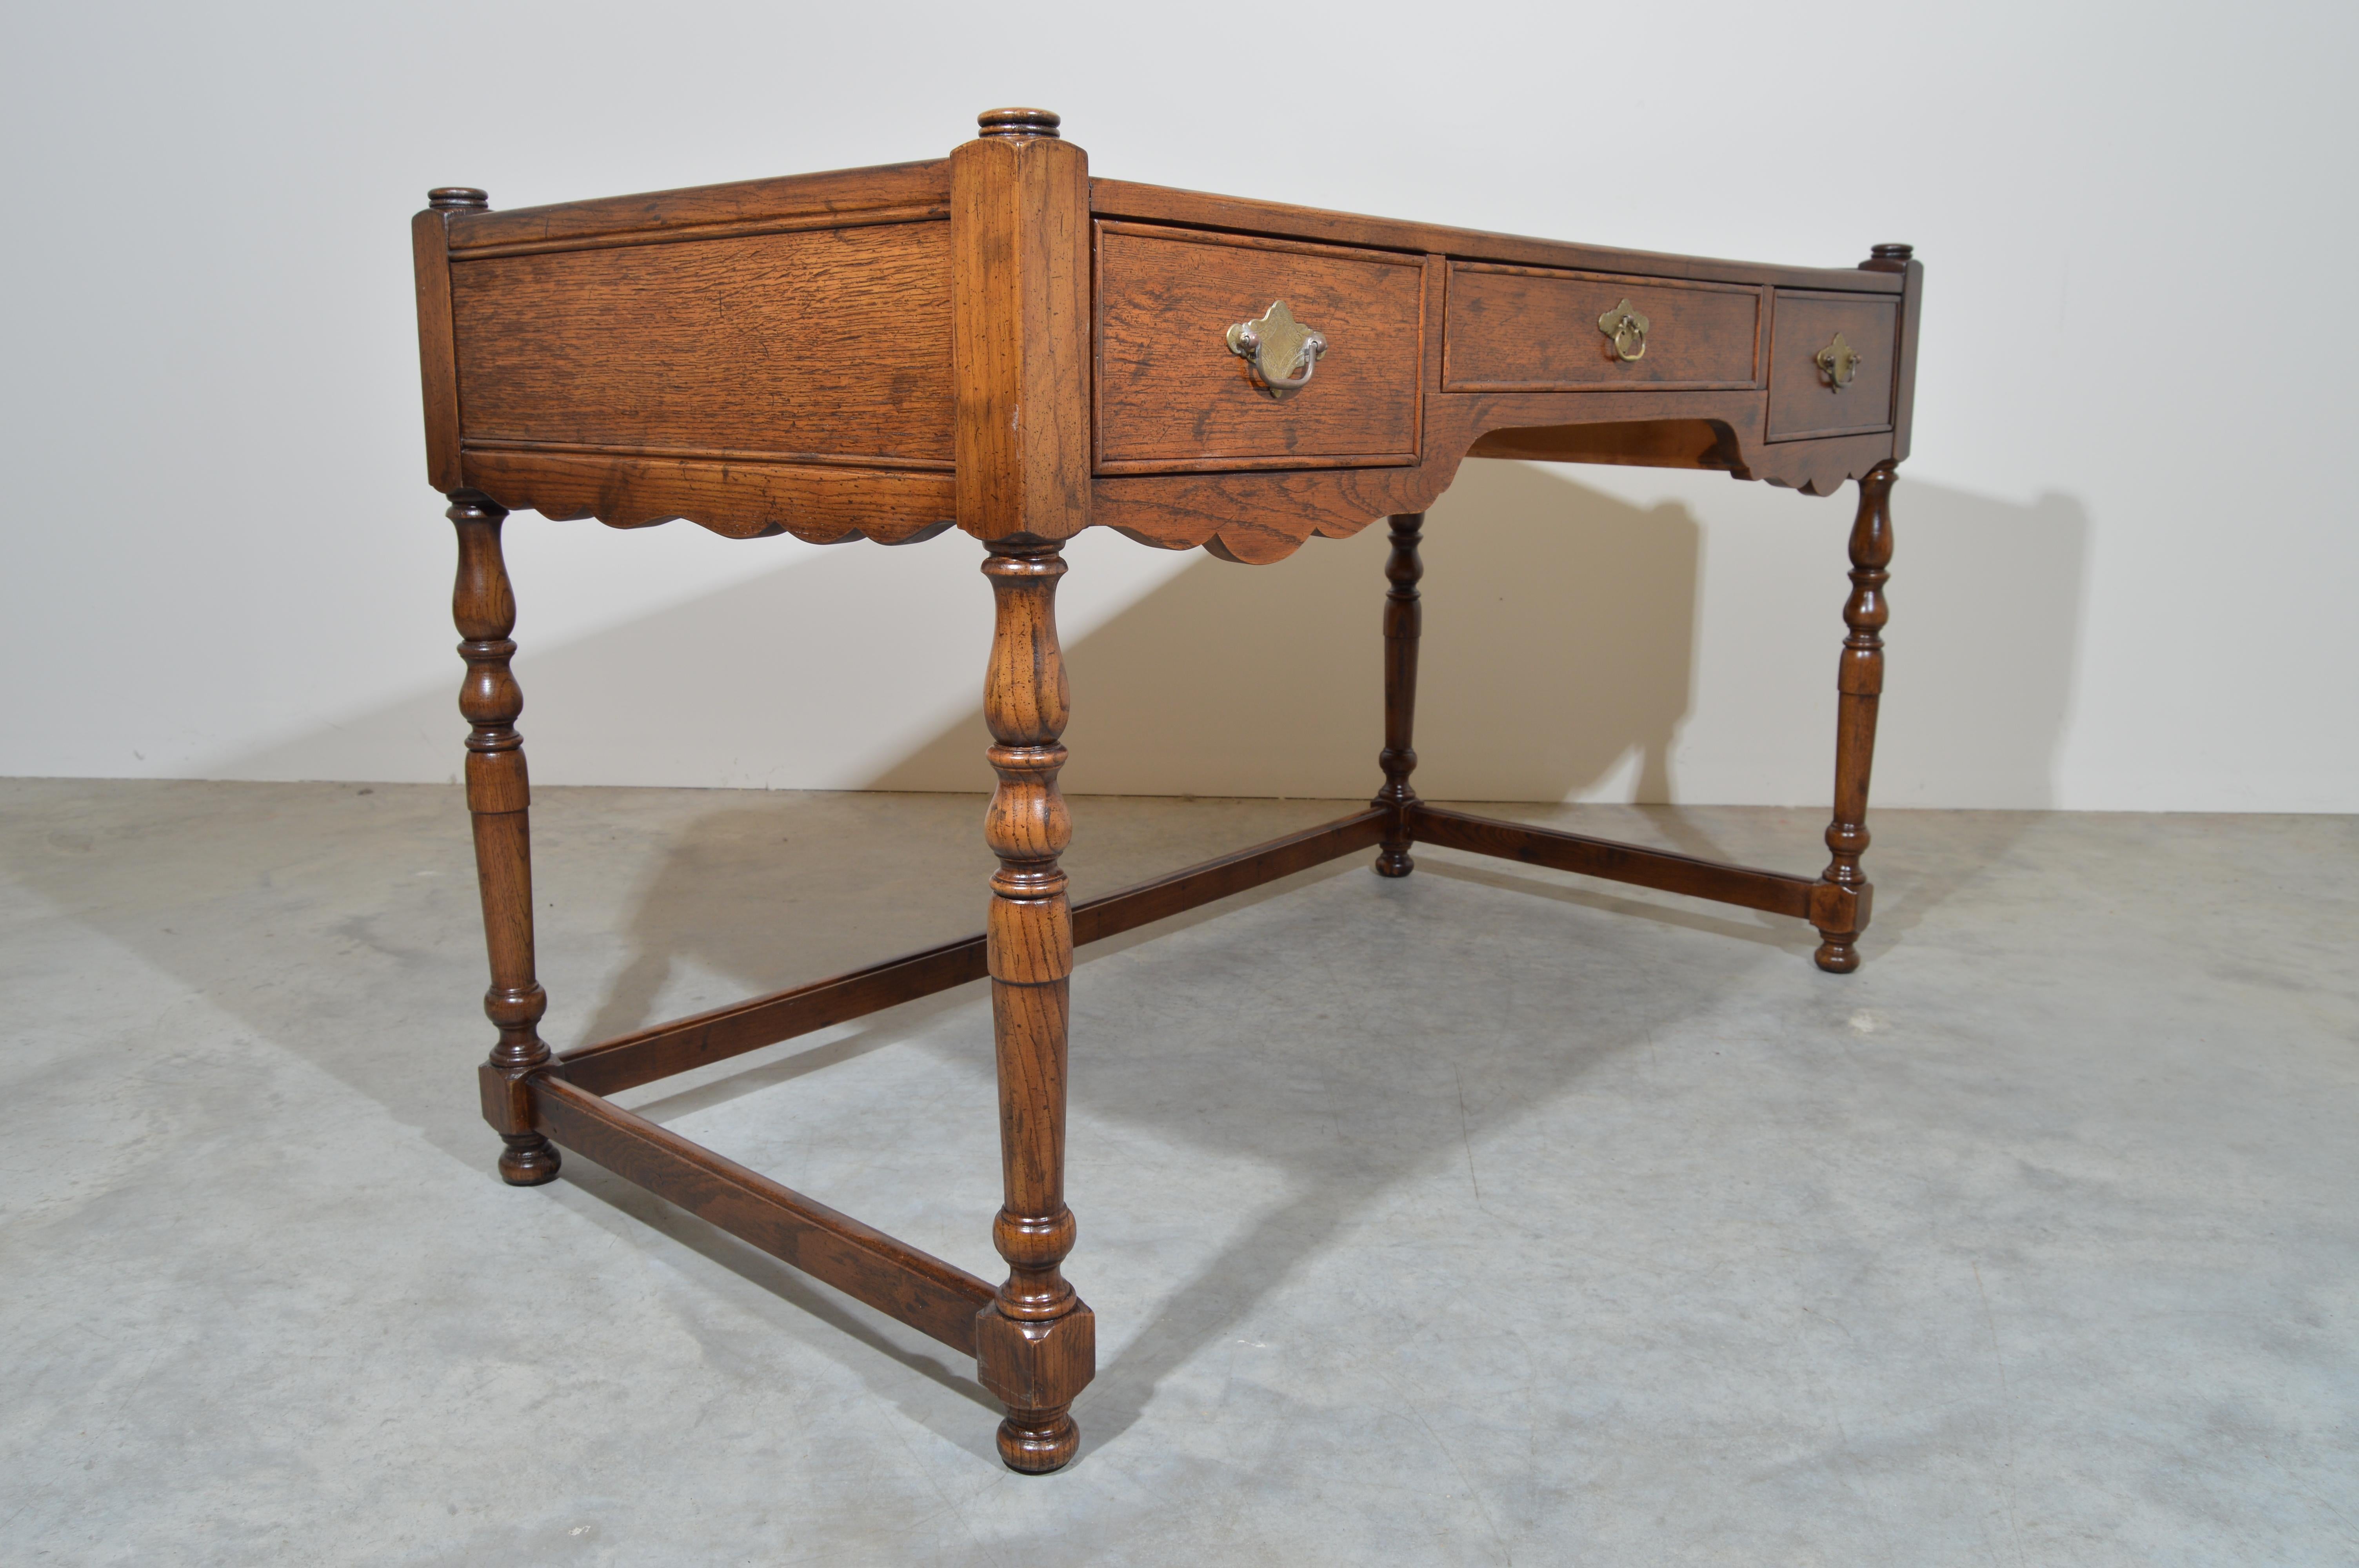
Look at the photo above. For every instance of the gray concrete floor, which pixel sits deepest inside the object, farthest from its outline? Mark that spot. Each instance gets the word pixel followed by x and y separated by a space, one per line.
pixel 1491 1215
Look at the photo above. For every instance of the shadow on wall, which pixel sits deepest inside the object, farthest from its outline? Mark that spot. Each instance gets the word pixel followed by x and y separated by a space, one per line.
pixel 1576 646
pixel 1559 635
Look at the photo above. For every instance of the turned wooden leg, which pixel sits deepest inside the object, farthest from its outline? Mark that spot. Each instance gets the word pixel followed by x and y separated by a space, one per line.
pixel 485 608
pixel 1036 1345
pixel 1403 619
pixel 1839 906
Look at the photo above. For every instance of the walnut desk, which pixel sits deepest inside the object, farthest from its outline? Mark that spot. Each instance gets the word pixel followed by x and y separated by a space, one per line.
pixel 998 342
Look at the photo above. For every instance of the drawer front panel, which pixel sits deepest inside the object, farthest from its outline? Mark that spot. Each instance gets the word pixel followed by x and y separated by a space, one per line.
pixel 826 342
pixel 1803 400
pixel 1172 398
pixel 1525 330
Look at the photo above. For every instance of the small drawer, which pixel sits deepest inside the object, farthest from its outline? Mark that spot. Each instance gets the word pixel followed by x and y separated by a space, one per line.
pixel 1517 329
pixel 1172 397
pixel 1804 399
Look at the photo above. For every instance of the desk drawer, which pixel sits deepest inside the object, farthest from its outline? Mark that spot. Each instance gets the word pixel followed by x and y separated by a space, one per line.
pixel 1516 328
pixel 1804 399
pixel 1172 397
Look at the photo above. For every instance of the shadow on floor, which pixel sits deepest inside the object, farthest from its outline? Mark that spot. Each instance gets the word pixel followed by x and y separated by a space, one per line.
pixel 1562 627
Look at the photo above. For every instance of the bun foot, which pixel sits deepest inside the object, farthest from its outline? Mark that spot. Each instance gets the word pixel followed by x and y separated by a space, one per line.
pixel 1837 957
pixel 528 1160
pixel 1037 1442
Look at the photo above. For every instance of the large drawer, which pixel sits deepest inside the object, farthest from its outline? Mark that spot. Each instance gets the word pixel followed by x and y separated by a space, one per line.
pixel 1172 397
pixel 1805 399
pixel 1518 328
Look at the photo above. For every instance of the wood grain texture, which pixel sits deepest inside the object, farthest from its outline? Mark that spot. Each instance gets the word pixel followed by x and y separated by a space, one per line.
pixel 1859 687
pixel 1171 396
pixel 1020 336
pixel 1803 403
pixel 498 800
pixel 1523 329
pixel 831 342
pixel 937 1299
pixel 823 504
pixel 438 364
pixel 663 213
pixel 1027 1340
pixel 1773 891
pixel 1119 198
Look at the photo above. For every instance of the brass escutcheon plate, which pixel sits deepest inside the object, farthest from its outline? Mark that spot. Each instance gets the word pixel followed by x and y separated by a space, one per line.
pixel 1839 363
pixel 1281 350
pixel 1627 330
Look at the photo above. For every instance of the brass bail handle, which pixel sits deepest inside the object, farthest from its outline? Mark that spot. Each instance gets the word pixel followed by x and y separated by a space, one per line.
pixel 1627 330
pixel 1282 352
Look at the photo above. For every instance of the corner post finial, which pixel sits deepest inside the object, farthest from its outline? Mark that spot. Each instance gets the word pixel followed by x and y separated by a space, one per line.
pixel 1018 123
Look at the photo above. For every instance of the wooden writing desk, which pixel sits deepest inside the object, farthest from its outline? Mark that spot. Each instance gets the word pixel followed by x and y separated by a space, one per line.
pixel 998 342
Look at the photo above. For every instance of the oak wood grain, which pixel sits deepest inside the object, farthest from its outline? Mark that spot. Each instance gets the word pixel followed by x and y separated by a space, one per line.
pixel 828 342
pixel 499 799
pixel 821 503
pixel 437 366
pixel 1020 336
pixel 1523 329
pixel 840 192
pixel 937 1299
pixel 1120 199
pixel 1774 892
pixel 1171 396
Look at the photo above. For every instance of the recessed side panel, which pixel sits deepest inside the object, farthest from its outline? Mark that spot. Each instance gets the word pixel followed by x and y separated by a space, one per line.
pixel 1524 330
pixel 1173 396
pixel 1832 361
pixel 818 345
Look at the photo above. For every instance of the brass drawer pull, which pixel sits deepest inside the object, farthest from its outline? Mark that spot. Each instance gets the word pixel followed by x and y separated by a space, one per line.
pixel 1628 328
pixel 1838 361
pixel 1281 350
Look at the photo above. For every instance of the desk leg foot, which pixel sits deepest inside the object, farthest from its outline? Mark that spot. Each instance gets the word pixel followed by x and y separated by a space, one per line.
pixel 1036 1344
pixel 528 1160
pixel 1839 907
pixel 1404 620
pixel 1037 1441
pixel 498 798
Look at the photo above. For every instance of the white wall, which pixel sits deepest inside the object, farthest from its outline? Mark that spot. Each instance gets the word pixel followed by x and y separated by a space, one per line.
pixel 2125 545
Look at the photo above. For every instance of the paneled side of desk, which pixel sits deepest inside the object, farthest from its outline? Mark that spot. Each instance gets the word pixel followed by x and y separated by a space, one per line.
pixel 763 357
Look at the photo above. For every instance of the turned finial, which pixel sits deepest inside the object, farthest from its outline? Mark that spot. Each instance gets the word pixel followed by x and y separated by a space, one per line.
pixel 1887 258
pixel 1018 123
pixel 458 199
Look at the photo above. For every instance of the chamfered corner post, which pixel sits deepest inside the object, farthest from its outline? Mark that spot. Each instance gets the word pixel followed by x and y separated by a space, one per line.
pixel 1404 620
pixel 1020 332
pixel 1840 904
pixel 498 796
